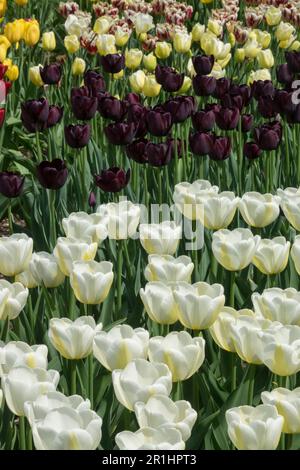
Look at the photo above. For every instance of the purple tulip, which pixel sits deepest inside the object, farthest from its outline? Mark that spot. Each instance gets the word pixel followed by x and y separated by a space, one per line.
pixel 168 78
pixel 84 107
pixel 204 121
pixel 112 108
pixel 120 133
pixel 293 60
pixel 78 136
pixel 284 74
pixel 180 108
pixel 112 180
pixel 55 115
pixel 228 118
pixel 203 64
pixel 34 114
pixel 158 154
pixel 11 184
pixel 113 63
pixel 158 122
pixel 268 136
pixel 51 74
pixel 136 150
pixel 203 85
pixel 52 175
pixel 94 81
pixel 136 113
pixel 251 150
pixel 247 122
pixel 201 143
pixel 221 148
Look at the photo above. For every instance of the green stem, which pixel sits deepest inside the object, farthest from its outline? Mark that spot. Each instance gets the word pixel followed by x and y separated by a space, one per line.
pixel 119 276
pixel 91 378
pixel 232 289
pixel 73 376
pixel 10 219
pixel 38 147
pixel 22 434
pixel 52 212
pixel 233 371
pixel 252 369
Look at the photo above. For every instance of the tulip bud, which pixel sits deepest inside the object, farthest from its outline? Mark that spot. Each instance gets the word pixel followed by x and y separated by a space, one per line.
pixel 52 175
pixel 162 50
pixel 113 63
pixel 215 27
pixel 48 41
pixel 112 180
pixel 137 81
pixel 265 59
pixel 35 75
pixel 150 62
pixel 133 58
pixel 151 88
pixel 78 66
pixel 32 33
pixel 11 184
pixel 72 43
pixel 13 73
pixel 77 136
pixel 239 55
pixel 51 74
pixel 182 42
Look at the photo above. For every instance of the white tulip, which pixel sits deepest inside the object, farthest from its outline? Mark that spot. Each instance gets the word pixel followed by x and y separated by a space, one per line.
pixel 143 23
pixel 17 353
pixel 73 339
pixel 259 210
pixel 116 348
pixel 186 197
pixel 15 254
pixel 169 269
pixel 159 303
pixel 271 256
pixel 123 219
pixel 183 354
pixel 26 279
pixel 23 384
pixel 275 304
pixel 160 239
pixel 81 225
pixel 295 253
pixel 91 281
pixel 77 25
pixel 235 249
pixel 139 381
pixel 45 270
pixel 161 412
pixel 254 428
pixel 218 209
pixel 150 439
pixel 69 250
pixel 290 205
pixel 13 298
pixel 287 403
pixel 198 304
pixel 1 397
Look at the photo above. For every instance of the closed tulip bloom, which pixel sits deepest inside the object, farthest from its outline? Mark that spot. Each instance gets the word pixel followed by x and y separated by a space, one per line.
pixel 159 303
pixel 254 428
pixel 203 64
pixel 235 249
pixel 143 23
pixel 150 62
pixel 106 45
pixel 218 209
pixel 137 81
pixel 228 118
pixel 182 42
pixel 186 197
pixel 91 281
pixel 204 85
pixel 133 58
pixel 268 136
pixel 162 239
pixel 271 256
pixel 293 61
pixel 55 115
pixel 78 66
pixel 94 81
pixel 78 136
pixel 51 74
pixel 13 298
pixel 201 143
pixel 290 206
pixel 121 36
pixel 204 121
pixel 182 354
pixel 15 254
pixel 45 270
pixel 112 108
pixel 139 381
pixel 169 78
pixel 48 41
pixel 150 439
pixel 84 107
pixel 120 133
pixel 119 346
pixel 69 249
pixel 259 210
pixel 11 184
pixel 23 384
pixel 52 175
pixel 265 59
pixel 166 268
pixel 73 339
pixel 158 122
pixel 158 155
pixel 180 108
pixel 252 150
pixel 35 75
pixel 151 88
pixel 72 43
pixel 32 33
pixel 81 224
pixel 287 403
pixel 34 114
pixel 295 253
pixel 273 15
pixel 122 218
pixel 17 353
pixel 160 412
pixel 280 350
pixel 113 63
pixel 220 148
pixel 136 151
pixel 198 304
pixel 112 180
pixel 162 49
pixel 26 279
pixel 275 304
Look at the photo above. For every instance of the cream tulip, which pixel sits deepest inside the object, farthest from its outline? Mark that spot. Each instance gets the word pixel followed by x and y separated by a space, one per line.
pixel 287 403
pixel 290 205
pixel 235 249
pixel 80 225
pixel 198 304
pixel 197 31
pixel 69 249
pixel 139 381
pixel 123 219
pixel 13 298
pixel 44 268
pixel 137 81
pixel 151 87
pixel 162 49
pixel 166 268
pixel 133 58
pixel 182 42
pixel 259 210
pixel 77 25
pixel 160 239
pixel 260 74
pixel 23 384
pixel 265 59
pixel 186 197
pixel 161 412
pixel 106 44
pixel 218 209
pixel 254 428
pixel 273 16
pixel 271 256
pixel 91 281
pixel 284 31
pixel 275 304
pixel 73 339
pixel 71 43
pixel 26 279
pixel 182 354
pixel 143 23
pixel 102 25
pixel 48 41
pixel 119 346
pixel 15 254
pixel 17 353
pixel 159 303
pixel 150 439
pixel 295 253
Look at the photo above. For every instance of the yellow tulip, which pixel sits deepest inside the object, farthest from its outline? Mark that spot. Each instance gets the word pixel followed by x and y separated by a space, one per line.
pixel 32 33
pixel 150 62
pixel 137 81
pixel 265 59
pixel 284 31
pixel 35 75
pixel 261 74
pixel 273 16
pixel 102 25
pixel 72 43
pixel 14 31
pixel 117 76
pixel 7 62
pixel 3 52
pixel 21 3
pixel 295 46
pixel 215 27
pixel 133 58
pixel 78 66
pixel 162 49
pixel 224 62
pixel 231 39
pixel 182 42
pixel 251 49
pixel 3 7
pixel 121 37
pixel 187 83
pixel 197 31
pixel 12 73
pixel 151 87
pixel 287 43
pixel 263 38
pixel 206 2
pixel 239 55
pixel 49 41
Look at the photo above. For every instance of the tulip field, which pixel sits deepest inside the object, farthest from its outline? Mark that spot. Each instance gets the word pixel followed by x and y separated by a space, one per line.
pixel 149 220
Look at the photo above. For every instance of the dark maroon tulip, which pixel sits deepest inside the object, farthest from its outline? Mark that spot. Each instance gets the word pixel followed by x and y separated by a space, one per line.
pixel 247 122
pixel 158 154
pixel 92 200
pixel 294 117
pixel 293 60
pixel 55 115
pixel 94 81
pixel 203 64
pixel 51 74
pixel 112 108
pixel 201 143
pixel 215 107
pixel 137 113
pixel 175 152
pixel 84 107
pixel 284 74
pixel 180 108
pixel 262 88
pixel 222 87
pixel 158 122
pixel 238 96
pixel 81 91
pixel 78 136
pixel 251 150
pixel 52 175
pixel 204 121
pixel 132 98
pixel 221 148
pixel 120 133
pixel 113 63
pixel 284 102
pixel 228 118
pixel 112 180
pixel 11 184
pixel 136 150
pixel 34 114
pixel 203 85
pixel 267 107
pixel 168 78
pixel 232 101
pixel 268 136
